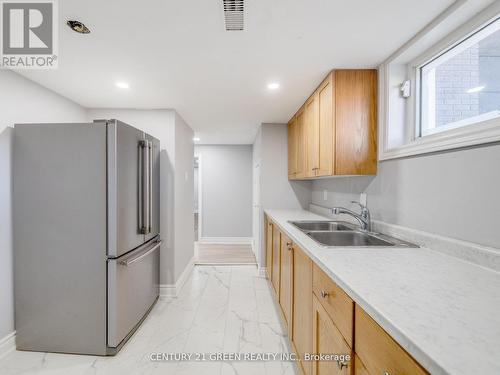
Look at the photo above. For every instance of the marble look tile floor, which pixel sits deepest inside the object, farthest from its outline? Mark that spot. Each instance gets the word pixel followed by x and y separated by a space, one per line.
pixel 219 309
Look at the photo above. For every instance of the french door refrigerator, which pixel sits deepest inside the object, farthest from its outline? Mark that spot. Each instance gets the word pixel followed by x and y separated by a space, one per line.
pixel 86 234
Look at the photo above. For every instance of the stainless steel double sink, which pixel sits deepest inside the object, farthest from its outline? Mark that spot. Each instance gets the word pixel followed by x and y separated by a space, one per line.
pixel 342 234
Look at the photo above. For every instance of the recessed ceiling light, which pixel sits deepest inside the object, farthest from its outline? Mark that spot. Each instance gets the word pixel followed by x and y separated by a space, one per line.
pixel 273 86
pixel 475 89
pixel 196 139
pixel 78 27
pixel 122 85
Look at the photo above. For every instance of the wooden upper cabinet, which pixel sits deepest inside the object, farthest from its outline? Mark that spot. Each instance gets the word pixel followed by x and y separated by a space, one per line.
pixel 336 129
pixel 286 276
pixel 326 150
pixel 300 143
pixel 355 122
pixel 312 135
pixel 292 148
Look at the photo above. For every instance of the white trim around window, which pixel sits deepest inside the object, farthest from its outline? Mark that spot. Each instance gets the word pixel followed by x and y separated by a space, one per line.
pixel 401 117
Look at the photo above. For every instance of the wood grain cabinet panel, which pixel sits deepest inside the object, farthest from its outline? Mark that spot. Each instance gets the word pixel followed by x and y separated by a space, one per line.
pixel 379 353
pixel 327 339
pixel 312 135
pixel 286 283
pixel 292 148
pixel 335 131
pixel 302 306
pixel 300 141
pixel 336 302
pixel 359 367
pixel 276 260
pixel 326 150
pixel 269 246
pixel 355 122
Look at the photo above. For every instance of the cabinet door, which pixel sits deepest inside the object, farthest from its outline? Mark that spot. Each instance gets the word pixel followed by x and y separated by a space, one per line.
pixel 327 340
pixel 292 149
pixel 312 135
pixel 355 122
pixel 378 351
pixel 302 306
pixel 269 247
pixel 326 128
pixel 286 280
pixel 300 143
pixel 275 272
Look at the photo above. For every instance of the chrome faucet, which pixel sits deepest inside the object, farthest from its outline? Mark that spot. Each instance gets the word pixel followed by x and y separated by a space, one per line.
pixel 363 218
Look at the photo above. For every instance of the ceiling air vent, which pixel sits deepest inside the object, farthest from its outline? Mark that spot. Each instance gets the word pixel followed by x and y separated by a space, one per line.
pixel 233 14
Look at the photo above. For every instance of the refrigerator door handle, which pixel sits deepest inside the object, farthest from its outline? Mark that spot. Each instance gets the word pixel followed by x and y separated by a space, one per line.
pixel 144 188
pixel 150 193
pixel 128 262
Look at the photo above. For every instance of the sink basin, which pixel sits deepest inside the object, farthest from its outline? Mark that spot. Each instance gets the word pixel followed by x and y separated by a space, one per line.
pixel 355 239
pixel 321 226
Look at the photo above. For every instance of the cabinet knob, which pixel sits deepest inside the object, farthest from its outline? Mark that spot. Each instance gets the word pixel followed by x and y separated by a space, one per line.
pixel 342 364
pixel 324 294
pixel 385 373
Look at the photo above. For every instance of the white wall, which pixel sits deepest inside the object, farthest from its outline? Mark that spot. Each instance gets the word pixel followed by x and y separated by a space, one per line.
pixel 226 175
pixel 276 191
pixel 454 194
pixel 21 100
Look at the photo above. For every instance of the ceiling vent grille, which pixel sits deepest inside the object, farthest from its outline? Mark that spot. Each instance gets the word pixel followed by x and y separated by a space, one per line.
pixel 233 14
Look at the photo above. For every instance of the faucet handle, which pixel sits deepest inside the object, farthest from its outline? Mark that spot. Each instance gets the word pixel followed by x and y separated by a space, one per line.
pixel 359 204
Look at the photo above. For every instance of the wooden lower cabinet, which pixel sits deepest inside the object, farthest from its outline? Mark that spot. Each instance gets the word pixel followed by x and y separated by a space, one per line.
pixel 276 259
pixel 378 351
pixel 327 339
pixel 302 306
pixel 322 319
pixel 269 247
pixel 359 367
pixel 286 276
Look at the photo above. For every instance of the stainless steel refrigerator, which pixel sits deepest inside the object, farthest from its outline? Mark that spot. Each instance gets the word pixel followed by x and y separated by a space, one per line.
pixel 86 234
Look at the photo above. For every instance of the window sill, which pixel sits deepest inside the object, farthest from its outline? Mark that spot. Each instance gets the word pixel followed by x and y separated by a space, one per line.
pixel 478 134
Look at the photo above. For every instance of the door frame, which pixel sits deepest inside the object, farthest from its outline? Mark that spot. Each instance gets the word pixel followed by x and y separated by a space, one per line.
pixel 200 197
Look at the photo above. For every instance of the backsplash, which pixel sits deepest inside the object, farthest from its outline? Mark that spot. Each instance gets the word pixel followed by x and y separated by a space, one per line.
pixel 435 193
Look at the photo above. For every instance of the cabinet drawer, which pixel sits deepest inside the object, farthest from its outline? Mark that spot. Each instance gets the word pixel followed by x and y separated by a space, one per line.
pixel 379 353
pixel 336 302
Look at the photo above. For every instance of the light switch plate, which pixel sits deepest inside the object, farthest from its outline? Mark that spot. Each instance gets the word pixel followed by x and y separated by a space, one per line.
pixel 325 195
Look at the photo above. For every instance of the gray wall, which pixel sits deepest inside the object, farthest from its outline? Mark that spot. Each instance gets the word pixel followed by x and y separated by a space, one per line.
pixel 226 177
pixel 454 194
pixel 276 191
pixel 21 101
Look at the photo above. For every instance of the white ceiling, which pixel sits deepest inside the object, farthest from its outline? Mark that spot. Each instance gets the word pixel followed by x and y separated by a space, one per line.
pixel 177 54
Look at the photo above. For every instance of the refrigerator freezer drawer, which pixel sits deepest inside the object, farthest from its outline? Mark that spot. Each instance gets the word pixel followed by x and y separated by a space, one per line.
pixel 132 289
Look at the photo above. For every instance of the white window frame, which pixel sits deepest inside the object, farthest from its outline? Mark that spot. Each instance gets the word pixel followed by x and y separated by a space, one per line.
pixel 487 130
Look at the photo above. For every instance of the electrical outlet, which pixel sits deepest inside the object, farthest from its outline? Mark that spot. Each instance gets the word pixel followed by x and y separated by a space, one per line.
pixel 325 195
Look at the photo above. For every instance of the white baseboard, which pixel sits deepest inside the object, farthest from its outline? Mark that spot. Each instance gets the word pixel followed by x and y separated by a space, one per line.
pixel 172 290
pixel 227 240
pixel 8 344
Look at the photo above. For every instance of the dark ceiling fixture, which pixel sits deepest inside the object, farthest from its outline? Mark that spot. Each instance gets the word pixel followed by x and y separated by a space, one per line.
pixel 78 27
